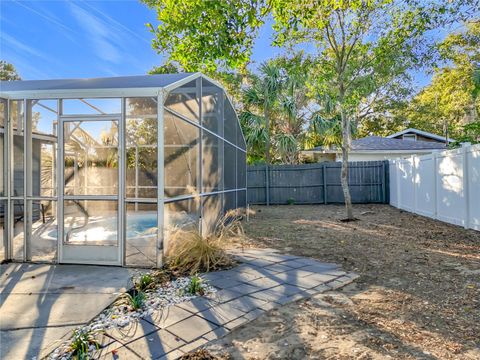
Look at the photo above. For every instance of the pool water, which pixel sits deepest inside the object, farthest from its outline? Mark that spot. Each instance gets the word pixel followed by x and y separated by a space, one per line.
pixel 105 228
pixel 139 226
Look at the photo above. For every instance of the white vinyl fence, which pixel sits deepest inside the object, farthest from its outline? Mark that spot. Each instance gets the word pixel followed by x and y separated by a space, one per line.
pixel 443 185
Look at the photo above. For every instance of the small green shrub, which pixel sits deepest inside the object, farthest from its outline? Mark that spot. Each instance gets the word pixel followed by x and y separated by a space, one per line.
pixel 144 282
pixel 195 287
pixel 136 300
pixel 290 201
pixel 81 341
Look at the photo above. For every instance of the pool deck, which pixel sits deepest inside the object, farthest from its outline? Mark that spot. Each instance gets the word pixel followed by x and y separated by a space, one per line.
pixel 41 304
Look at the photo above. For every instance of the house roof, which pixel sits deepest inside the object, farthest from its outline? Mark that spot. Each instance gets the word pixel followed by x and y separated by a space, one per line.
pixel 420 132
pixel 120 82
pixel 383 144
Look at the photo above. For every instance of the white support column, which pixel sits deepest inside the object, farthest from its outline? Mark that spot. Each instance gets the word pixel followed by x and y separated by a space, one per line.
pixel 160 180
pixel 121 187
pixel 25 181
pixel 60 180
pixel 198 93
pixel 9 183
pixel 27 176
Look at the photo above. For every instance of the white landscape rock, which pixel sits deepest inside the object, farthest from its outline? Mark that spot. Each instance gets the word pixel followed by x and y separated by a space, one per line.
pixel 119 316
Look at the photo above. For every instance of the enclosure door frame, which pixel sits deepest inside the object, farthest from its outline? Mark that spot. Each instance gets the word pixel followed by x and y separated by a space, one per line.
pixel 91 254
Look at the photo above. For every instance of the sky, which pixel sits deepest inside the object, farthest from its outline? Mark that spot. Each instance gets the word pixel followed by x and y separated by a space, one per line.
pixel 82 39
pixel 75 39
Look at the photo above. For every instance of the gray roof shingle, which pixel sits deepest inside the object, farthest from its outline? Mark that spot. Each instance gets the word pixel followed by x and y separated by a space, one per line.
pixel 384 144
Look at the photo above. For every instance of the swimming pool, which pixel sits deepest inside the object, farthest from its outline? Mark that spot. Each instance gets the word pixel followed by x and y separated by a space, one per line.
pixel 103 229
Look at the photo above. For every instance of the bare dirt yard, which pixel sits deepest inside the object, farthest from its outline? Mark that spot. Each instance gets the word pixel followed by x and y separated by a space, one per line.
pixel 418 295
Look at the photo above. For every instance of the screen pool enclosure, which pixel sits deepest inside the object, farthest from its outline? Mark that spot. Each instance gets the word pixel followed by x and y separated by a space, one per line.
pixel 105 171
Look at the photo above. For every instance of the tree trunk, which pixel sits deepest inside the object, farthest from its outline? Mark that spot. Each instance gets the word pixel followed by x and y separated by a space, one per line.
pixel 267 156
pixel 344 175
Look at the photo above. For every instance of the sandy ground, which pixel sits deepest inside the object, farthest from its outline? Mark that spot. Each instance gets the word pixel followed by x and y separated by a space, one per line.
pixel 418 296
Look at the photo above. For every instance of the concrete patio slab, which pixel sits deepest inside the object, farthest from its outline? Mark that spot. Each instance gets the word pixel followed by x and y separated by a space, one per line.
pixel 57 298
pixel 151 346
pixel 40 304
pixel 191 328
pixel 168 316
pixel 221 314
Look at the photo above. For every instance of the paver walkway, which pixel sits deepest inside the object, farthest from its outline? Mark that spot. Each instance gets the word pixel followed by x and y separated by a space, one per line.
pixel 264 280
pixel 40 304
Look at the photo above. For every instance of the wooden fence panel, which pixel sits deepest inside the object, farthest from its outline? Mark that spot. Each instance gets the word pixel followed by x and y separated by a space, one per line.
pixel 317 183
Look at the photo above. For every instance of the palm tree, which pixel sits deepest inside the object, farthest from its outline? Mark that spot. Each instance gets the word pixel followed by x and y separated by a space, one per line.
pixel 262 95
pixel 294 112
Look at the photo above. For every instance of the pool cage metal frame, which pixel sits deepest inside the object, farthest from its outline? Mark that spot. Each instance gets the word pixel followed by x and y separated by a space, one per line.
pixel 160 93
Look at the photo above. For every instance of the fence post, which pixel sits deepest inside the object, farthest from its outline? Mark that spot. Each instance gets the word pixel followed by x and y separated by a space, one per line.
pixel 466 222
pixel 384 179
pixel 399 188
pixel 267 185
pixel 414 182
pixel 324 175
pixel 435 195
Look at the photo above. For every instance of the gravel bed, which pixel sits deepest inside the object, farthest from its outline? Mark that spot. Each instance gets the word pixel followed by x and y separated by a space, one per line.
pixel 121 315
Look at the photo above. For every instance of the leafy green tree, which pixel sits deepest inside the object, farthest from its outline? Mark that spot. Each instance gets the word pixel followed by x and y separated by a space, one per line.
pixel 8 72
pixel 207 35
pixel 360 44
pixel 452 99
pixel 166 68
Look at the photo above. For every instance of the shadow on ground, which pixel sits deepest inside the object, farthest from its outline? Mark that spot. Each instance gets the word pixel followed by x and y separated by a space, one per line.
pixel 41 304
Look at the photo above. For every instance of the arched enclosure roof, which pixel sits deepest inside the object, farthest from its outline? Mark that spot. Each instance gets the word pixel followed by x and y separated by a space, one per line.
pixel 120 82
pixel 120 86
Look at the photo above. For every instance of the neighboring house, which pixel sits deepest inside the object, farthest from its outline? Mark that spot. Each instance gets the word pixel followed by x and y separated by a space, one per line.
pixel 399 145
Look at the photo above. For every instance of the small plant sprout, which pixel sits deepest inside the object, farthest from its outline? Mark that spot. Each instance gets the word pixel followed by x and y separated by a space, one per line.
pixel 136 299
pixel 144 282
pixel 195 287
pixel 82 342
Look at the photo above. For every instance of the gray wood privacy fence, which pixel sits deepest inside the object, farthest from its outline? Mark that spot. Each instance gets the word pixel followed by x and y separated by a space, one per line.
pixel 317 183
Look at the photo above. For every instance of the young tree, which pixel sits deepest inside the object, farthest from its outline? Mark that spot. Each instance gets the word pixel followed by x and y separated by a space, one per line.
pixel 361 46
pixel 8 71
pixel 359 43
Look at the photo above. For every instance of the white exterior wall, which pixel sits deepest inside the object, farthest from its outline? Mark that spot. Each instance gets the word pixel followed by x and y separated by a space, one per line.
pixel 373 156
pixel 443 185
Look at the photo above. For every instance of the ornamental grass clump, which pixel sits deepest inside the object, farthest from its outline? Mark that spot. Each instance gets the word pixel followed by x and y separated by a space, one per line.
pixel 190 253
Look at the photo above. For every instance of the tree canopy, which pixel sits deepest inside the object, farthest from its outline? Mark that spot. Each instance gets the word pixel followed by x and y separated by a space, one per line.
pixel 363 58
pixel 8 71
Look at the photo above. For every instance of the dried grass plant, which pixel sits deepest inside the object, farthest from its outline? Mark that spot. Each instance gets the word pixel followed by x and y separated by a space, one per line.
pixel 190 253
